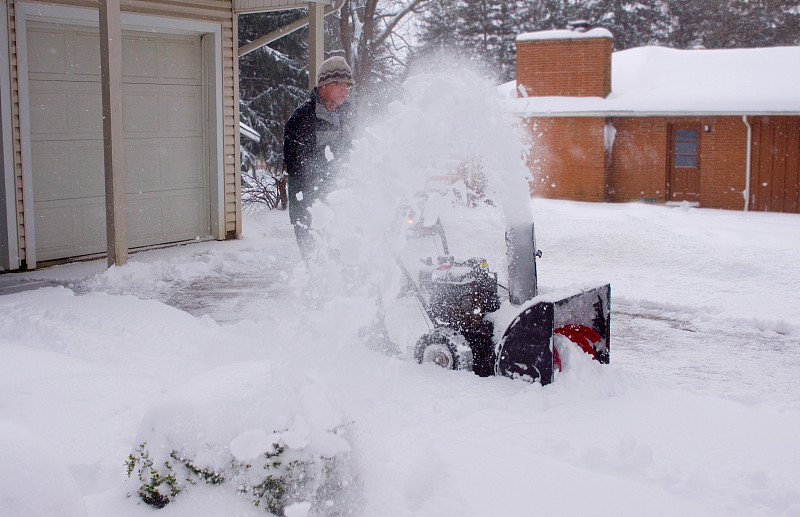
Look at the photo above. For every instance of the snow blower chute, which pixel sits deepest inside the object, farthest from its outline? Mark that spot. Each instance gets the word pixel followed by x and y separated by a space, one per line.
pixel 462 305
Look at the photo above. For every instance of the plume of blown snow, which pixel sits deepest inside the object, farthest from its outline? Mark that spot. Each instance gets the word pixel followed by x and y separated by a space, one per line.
pixel 410 165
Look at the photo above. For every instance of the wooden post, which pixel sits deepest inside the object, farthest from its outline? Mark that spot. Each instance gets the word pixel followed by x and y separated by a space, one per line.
pixel 113 138
pixel 316 41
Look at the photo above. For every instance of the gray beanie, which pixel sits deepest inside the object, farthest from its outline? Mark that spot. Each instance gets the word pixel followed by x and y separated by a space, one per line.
pixel 334 70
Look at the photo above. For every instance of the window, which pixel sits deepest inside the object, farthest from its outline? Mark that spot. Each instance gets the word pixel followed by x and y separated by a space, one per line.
pixel 685 148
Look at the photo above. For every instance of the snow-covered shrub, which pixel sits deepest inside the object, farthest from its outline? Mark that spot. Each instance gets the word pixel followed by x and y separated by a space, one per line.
pixel 261 187
pixel 239 429
pixel 276 479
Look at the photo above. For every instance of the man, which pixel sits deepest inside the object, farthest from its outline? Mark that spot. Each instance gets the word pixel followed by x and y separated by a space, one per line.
pixel 316 141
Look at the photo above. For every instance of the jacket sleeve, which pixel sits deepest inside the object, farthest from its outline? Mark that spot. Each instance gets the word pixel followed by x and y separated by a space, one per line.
pixel 298 143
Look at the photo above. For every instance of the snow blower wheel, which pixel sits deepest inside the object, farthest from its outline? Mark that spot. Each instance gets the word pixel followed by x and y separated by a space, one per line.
pixel 445 348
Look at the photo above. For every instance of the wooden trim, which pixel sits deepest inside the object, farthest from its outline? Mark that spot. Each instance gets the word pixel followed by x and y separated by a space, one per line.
pixel 113 135
pixel 237 170
pixel 26 175
pixel 316 41
pixel 9 249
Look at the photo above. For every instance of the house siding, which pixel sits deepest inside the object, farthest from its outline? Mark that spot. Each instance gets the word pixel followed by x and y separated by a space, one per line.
pixel 217 11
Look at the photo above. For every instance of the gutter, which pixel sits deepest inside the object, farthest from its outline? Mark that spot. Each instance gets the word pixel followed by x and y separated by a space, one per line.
pixel 747 166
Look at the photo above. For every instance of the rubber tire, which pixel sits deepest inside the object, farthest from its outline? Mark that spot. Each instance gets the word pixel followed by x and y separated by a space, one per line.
pixel 444 347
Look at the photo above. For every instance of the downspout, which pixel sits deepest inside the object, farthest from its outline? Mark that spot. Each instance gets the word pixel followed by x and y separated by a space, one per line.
pixel 746 192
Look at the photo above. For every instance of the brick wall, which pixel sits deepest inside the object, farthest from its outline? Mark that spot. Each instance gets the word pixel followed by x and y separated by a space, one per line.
pixel 639 162
pixel 579 67
pixel 567 158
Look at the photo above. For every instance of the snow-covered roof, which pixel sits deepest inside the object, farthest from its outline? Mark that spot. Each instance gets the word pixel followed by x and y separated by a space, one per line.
pixel 658 80
pixel 564 34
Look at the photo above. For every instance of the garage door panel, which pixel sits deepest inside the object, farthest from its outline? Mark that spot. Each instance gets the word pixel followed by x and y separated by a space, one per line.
pixel 183 213
pixel 54 229
pixel 140 104
pixel 90 225
pixel 85 60
pixel 65 110
pixel 145 220
pixel 85 110
pixel 51 162
pixel 66 170
pixel 181 110
pixel 87 163
pixel 142 165
pixel 48 111
pixel 181 58
pixel 187 153
pixel 69 228
pixel 140 57
pixel 47 48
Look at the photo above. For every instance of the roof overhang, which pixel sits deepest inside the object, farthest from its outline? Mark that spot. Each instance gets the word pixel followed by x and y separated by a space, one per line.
pixel 248 132
pixel 259 6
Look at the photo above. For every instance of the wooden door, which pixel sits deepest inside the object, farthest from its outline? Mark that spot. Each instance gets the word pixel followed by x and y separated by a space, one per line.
pixel 775 177
pixel 683 179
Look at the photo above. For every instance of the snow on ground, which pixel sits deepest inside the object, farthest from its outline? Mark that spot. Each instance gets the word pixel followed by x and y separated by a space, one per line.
pixel 695 415
pixel 215 349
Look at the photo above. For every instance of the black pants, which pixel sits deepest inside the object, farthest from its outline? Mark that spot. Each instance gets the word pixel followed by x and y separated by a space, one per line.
pixel 301 221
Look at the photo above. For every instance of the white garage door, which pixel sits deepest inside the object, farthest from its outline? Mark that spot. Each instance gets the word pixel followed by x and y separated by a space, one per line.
pixel 166 175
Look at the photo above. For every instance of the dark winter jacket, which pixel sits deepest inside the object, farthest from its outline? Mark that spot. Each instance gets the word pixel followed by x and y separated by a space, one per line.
pixel 315 143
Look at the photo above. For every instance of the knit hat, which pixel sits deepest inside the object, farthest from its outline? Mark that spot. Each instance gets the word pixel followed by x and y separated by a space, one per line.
pixel 334 70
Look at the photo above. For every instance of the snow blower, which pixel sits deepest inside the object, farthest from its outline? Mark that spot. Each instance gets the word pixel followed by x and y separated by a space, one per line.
pixel 461 303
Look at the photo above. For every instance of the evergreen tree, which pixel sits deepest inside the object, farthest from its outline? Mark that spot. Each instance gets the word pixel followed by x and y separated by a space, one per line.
pixel 480 30
pixel 273 81
pixel 439 21
pixel 485 29
pixel 633 24
pixel 734 23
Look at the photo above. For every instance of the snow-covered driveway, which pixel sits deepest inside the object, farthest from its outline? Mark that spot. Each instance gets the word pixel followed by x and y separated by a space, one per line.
pixel 696 414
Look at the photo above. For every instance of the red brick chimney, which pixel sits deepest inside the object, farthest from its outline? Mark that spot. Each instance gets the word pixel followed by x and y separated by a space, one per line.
pixel 569 63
